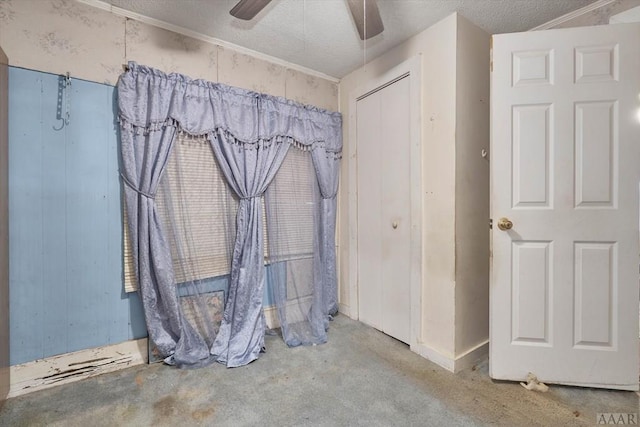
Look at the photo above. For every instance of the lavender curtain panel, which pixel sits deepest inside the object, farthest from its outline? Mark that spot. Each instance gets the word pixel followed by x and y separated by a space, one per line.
pixel 249 168
pixel 250 134
pixel 326 162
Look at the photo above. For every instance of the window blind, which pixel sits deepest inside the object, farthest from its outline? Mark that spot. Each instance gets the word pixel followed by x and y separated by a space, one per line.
pixel 198 211
pixel 291 202
pixel 193 192
pixel 130 282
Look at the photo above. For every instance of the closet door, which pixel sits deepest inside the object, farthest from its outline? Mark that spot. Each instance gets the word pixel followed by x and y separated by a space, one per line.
pixel 383 164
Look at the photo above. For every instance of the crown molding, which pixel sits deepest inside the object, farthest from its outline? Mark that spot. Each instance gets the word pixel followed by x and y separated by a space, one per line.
pixel 99 4
pixel 572 15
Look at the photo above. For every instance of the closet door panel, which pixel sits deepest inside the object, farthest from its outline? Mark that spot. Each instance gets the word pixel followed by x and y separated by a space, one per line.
pixel 369 215
pixel 383 162
pixel 395 208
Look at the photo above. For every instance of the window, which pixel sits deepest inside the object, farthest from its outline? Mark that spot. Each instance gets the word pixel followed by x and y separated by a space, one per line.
pixel 194 192
pixel 291 202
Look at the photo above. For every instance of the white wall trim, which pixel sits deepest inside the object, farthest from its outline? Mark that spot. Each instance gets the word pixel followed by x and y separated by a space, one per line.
pixel 449 362
pixel 572 15
pixel 344 309
pixel 430 353
pixel 71 367
pixel 471 356
pixel 271 317
pixel 413 69
pixel 199 36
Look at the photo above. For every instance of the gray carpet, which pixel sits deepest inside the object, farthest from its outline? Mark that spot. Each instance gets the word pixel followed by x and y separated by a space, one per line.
pixel 360 377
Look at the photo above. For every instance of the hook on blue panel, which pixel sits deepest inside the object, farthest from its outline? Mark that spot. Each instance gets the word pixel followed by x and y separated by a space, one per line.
pixel 63 103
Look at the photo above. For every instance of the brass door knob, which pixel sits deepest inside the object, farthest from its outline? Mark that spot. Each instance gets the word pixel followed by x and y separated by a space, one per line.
pixel 505 224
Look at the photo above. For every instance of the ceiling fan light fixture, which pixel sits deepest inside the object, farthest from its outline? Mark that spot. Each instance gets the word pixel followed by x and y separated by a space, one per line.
pixel 367 19
pixel 248 9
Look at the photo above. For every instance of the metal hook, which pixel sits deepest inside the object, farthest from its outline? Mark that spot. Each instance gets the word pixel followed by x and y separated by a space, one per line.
pixel 67 87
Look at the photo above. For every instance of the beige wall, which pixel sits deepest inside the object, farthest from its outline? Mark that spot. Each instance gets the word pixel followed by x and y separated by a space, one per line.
pixel 437 47
pixel 472 187
pixel 454 187
pixel 60 36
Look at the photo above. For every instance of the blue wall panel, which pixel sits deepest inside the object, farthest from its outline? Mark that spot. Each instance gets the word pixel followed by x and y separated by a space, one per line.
pixel 53 178
pixel 65 221
pixel 25 218
pixel 65 241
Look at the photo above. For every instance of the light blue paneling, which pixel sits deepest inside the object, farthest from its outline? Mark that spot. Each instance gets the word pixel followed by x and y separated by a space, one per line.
pixel 53 228
pixel 65 241
pixel 25 217
pixel 65 222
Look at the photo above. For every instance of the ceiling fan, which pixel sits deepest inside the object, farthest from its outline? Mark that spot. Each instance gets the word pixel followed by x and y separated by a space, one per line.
pixel 365 14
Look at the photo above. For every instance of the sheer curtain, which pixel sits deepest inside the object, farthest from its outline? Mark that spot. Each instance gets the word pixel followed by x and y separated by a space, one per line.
pixel 249 169
pixel 197 211
pixel 249 135
pixel 293 218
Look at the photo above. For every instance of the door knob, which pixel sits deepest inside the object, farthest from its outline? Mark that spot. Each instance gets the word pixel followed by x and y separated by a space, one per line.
pixel 394 224
pixel 505 224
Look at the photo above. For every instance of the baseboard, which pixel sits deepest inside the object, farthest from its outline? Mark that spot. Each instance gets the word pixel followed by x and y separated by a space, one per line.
pixel 70 367
pixel 449 362
pixel 271 317
pixel 445 361
pixel 472 356
pixel 344 309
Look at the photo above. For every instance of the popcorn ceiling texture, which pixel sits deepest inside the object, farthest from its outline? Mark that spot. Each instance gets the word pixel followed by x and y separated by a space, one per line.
pixel 59 36
pixel 320 34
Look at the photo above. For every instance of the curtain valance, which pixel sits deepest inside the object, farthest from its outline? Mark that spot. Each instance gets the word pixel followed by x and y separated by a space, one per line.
pixel 149 98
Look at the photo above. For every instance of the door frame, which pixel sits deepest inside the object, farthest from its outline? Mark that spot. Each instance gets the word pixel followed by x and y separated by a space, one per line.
pixel 411 69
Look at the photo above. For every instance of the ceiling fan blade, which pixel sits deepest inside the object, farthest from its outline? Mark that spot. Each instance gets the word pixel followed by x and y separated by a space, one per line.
pixel 248 9
pixel 373 20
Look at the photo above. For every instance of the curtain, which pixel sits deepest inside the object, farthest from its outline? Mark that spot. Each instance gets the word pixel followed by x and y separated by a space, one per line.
pixel 197 211
pixel 326 161
pixel 293 217
pixel 249 168
pixel 249 134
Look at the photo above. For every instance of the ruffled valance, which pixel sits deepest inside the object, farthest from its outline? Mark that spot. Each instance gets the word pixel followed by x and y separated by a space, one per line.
pixel 149 99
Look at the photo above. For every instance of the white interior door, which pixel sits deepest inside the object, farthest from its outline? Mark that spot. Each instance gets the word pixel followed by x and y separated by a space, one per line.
pixel 384 203
pixel 565 168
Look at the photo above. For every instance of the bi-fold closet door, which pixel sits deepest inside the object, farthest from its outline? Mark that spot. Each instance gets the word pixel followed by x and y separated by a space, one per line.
pixel 384 203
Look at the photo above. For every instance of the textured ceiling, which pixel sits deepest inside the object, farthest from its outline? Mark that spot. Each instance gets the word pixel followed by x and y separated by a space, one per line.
pixel 320 34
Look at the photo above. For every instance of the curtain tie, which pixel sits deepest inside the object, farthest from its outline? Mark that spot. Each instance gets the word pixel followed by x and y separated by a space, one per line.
pixel 134 188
